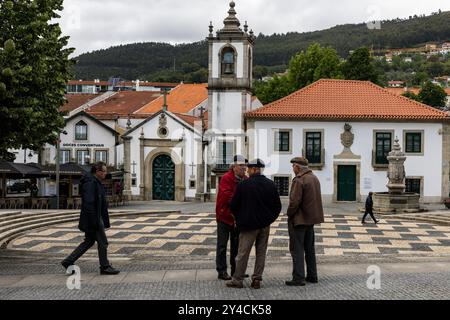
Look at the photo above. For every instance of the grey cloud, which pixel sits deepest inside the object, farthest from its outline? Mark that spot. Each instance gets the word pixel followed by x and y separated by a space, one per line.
pixel 94 24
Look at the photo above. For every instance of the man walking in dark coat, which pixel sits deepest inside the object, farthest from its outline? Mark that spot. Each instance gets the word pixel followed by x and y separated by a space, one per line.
pixel 226 226
pixel 369 209
pixel 94 219
pixel 256 205
pixel 304 211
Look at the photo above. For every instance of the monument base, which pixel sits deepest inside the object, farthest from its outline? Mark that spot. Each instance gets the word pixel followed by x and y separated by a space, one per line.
pixel 387 203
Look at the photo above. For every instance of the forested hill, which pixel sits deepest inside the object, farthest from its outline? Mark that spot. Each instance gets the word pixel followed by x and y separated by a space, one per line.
pixel 161 61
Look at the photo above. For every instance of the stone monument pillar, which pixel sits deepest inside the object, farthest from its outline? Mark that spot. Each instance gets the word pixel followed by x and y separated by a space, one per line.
pixel 396 170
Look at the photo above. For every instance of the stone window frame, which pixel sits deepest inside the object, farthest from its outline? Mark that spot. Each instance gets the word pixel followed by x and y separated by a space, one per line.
pixel 376 166
pixel 422 142
pixel 276 142
pixel 316 166
pixel 70 155
pixel 290 177
pixel 75 130
pixel 107 155
pixel 421 178
pixel 81 150
pixel 192 184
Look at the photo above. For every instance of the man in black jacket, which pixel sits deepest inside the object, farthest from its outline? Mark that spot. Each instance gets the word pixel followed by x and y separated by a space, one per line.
pixel 369 209
pixel 256 205
pixel 94 219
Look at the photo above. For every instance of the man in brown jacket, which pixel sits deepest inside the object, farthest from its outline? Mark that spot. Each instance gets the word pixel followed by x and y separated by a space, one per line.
pixel 304 211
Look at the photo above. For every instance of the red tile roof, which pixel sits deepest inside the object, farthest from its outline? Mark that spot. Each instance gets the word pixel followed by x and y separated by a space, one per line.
pixel 122 103
pixel 76 100
pixel 181 99
pixel 148 84
pixel 346 99
pixel 88 83
pixel 191 120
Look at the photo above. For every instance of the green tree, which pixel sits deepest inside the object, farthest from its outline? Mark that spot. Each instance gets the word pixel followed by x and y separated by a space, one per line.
pixel 360 66
pixel 34 70
pixel 304 68
pixel 420 78
pixel 314 64
pixel 272 90
pixel 433 95
pixel 411 95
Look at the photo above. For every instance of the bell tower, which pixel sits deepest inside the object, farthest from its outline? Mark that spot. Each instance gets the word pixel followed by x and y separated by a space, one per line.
pixel 229 91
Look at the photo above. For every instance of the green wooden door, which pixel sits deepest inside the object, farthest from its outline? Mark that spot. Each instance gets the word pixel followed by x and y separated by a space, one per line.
pixel 346 183
pixel 163 178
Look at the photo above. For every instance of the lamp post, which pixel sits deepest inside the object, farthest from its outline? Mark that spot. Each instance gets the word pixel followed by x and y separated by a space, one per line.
pixel 58 141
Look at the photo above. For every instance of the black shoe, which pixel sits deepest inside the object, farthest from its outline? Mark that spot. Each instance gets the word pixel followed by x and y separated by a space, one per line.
pixel 109 270
pixel 363 222
pixel 377 221
pixel 299 283
pixel 246 276
pixel 224 276
pixel 312 279
pixel 66 265
pixel 256 284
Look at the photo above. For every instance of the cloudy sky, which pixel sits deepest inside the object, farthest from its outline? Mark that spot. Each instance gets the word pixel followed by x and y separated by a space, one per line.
pixel 95 24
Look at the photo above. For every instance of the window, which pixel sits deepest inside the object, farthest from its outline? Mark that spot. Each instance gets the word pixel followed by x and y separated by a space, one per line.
pixel 314 147
pixel 192 184
pixel 412 185
pixel 383 145
pixel 227 61
pixel 226 152
pixel 282 184
pixel 83 157
pixel 282 141
pixel 81 131
pixel 101 155
pixel 64 156
pixel 413 142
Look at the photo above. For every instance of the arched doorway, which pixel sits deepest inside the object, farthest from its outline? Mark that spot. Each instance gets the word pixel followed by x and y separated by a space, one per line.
pixel 163 178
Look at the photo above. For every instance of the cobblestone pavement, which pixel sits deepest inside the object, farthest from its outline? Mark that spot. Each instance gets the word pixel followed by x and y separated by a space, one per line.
pixel 171 256
pixel 412 279
pixel 195 235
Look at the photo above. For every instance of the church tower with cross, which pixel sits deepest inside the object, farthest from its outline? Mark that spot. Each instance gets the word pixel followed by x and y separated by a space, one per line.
pixel 229 91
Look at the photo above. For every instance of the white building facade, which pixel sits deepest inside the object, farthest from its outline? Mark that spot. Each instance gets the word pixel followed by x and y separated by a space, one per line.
pixel 346 129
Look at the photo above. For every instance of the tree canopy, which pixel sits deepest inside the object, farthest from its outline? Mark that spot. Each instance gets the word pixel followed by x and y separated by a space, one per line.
pixel 314 64
pixel 34 70
pixel 432 95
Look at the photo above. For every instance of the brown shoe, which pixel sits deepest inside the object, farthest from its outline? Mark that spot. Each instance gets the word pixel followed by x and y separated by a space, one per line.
pixel 234 284
pixel 256 284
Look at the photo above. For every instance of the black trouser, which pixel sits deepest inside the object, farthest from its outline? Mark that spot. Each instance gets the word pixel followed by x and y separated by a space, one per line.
pixel 301 246
pixel 90 238
pixel 225 232
pixel 371 214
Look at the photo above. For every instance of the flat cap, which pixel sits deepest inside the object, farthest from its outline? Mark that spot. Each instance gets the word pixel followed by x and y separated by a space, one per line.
pixel 300 160
pixel 256 163
pixel 239 159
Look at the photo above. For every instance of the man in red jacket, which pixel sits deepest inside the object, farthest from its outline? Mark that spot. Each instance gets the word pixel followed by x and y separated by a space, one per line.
pixel 226 226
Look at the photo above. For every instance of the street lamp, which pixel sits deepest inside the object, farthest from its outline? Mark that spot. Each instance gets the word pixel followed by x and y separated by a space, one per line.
pixel 58 141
